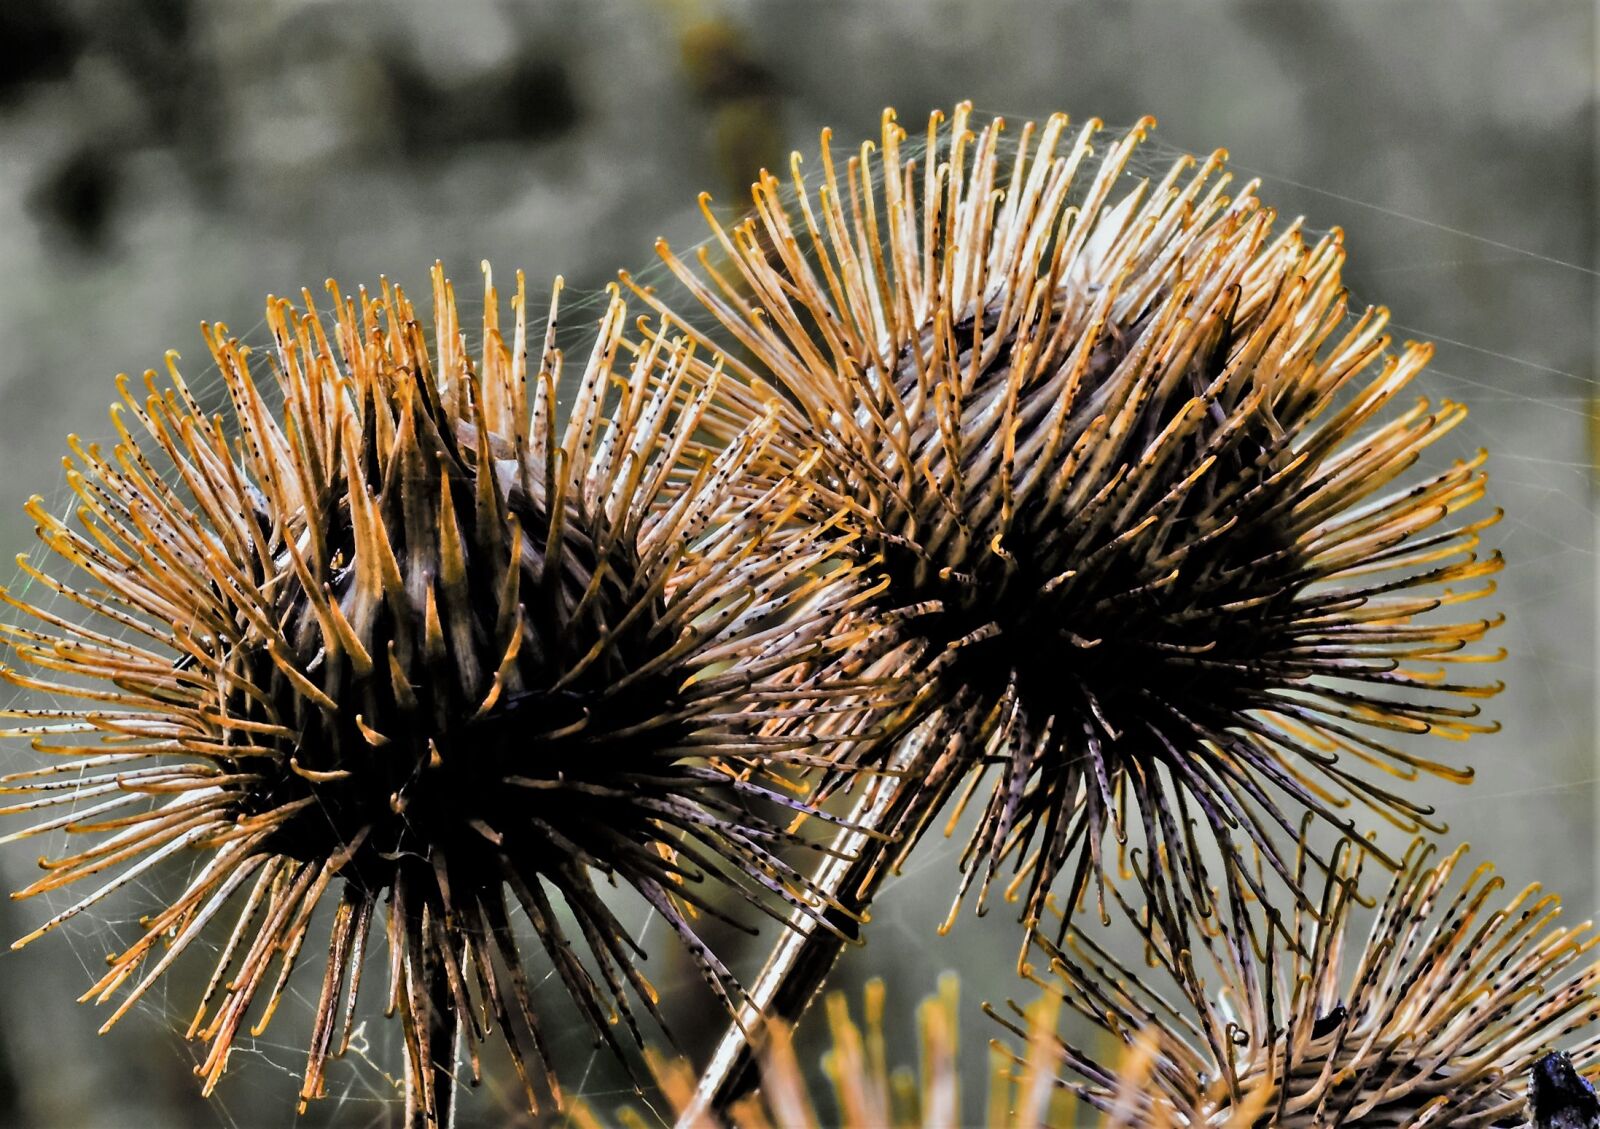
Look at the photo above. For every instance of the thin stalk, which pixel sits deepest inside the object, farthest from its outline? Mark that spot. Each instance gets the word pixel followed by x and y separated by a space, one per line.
pixel 806 952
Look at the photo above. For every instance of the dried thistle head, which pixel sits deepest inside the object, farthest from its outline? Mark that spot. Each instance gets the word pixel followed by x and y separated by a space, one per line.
pixel 409 641
pixel 1436 1019
pixel 871 1084
pixel 1132 487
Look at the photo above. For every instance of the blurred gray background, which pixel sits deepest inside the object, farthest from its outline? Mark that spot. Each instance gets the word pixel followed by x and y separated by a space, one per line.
pixel 169 161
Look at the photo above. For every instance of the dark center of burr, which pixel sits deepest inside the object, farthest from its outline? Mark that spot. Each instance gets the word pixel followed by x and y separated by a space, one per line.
pixel 1089 611
pixel 458 736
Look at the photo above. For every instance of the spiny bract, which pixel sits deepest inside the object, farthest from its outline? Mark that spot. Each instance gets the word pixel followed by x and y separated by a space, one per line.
pixel 1115 457
pixel 407 638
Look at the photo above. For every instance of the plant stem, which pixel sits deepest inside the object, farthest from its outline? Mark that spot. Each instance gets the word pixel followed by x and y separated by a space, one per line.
pixel 862 857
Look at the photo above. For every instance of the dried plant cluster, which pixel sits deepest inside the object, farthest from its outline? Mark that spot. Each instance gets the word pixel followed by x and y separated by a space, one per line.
pixel 411 642
pixel 1117 465
pixel 994 457
pixel 1437 1019
pixel 864 1091
pixel 1025 1090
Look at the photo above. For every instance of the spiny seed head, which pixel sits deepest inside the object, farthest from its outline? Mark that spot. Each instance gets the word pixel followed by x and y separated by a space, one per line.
pixel 1437 1019
pixel 871 1080
pixel 408 640
pixel 1131 487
